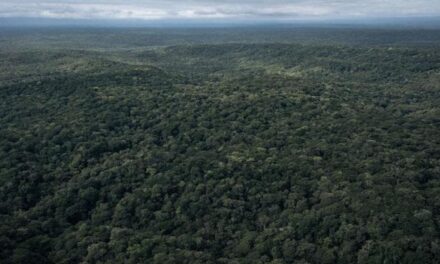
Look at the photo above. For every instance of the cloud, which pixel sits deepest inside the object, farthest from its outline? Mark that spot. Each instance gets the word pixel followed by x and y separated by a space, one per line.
pixel 223 9
pixel 80 11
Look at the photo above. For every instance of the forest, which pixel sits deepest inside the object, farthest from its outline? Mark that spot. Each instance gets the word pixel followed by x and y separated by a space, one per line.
pixel 245 145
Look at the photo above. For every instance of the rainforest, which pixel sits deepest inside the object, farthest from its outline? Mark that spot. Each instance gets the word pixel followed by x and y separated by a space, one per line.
pixel 220 145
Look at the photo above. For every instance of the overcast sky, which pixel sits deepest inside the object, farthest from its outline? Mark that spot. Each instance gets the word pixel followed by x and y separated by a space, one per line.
pixel 219 9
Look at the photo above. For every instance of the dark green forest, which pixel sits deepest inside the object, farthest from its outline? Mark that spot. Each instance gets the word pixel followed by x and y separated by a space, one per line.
pixel 219 146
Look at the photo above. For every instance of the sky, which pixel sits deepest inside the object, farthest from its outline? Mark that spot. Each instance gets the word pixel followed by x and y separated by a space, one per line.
pixel 247 10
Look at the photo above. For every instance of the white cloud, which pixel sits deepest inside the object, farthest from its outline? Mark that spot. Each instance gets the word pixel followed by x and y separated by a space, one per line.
pixel 198 9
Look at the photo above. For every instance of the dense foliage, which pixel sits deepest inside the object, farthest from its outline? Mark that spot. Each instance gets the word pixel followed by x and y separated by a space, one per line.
pixel 219 153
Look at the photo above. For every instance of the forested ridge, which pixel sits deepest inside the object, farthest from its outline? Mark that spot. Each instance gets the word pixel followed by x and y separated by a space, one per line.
pixel 248 152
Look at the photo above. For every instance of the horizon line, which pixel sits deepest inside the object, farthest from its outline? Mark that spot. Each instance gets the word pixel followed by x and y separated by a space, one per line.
pixel 422 21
